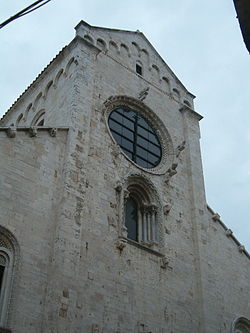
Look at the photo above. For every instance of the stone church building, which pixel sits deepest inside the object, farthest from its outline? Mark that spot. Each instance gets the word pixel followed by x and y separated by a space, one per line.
pixel 104 223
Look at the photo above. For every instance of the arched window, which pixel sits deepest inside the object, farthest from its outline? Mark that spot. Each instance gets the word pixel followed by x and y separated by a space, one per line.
pixel 38 120
pixel 241 325
pixel 141 211
pixel 8 259
pixel 5 268
pixel 19 119
pixel 3 264
pixel 136 137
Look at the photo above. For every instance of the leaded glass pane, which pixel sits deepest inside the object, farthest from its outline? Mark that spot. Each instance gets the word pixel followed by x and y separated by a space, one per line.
pixel 136 137
pixel 127 144
pixel 128 134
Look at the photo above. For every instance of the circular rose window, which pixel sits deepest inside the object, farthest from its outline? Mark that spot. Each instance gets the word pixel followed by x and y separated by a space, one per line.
pixel 136 137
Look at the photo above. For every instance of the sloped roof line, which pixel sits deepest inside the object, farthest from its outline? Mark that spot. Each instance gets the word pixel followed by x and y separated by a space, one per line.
pixel 67 46
pixel 236 241
pixel 147 41
pixel 37 78
pixel 31 84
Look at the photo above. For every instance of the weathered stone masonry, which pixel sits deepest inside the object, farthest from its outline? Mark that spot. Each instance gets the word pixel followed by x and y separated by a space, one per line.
pixel 64 185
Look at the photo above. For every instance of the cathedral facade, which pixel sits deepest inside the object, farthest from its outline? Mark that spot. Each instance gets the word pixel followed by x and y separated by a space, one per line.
pixel 104 222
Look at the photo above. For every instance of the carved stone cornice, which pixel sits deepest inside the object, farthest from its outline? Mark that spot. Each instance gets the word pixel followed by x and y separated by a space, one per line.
pixel 33 131
pixel 186 109
pixel 11 132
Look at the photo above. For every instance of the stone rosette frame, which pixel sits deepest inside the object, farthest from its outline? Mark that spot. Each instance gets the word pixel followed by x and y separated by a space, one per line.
pixel 165 140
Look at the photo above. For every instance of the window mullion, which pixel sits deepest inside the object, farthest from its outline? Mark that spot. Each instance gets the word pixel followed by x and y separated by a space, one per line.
pixel 135 137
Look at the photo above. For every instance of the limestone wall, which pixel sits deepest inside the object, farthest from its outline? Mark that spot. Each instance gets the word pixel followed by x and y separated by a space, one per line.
pixel 31 175
pixel 78 272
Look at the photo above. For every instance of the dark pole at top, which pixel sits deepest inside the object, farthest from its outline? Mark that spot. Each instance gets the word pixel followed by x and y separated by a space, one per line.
pixel 242 8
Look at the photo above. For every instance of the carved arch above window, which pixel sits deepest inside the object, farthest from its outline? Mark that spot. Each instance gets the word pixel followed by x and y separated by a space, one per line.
pixel 140 211
pixel 89 38
pixel 101 44
pixel 38 120
pixel 241 325
pixel 27 111
pixel 47 89
pixel 9 256
pixel 20 117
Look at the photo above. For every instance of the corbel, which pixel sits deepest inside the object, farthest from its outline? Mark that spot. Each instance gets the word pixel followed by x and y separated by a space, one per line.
pixel 32 131
pixel 229 232
pixel 11 132
pixel 216 217
pixel 53 132
pixel 241 248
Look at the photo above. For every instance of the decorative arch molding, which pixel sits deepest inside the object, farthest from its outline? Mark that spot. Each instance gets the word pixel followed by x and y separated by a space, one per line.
pixel 166 143
pixel 42 95
pixel 113 47
pixel 187 103
pixel 37 99
pixel 136 49
pixel 20 117
pixel 57 78
pixel 142 191
pixel 176 94
pixel 47 89
pixel 124 49
pixel 142 183
pixel 38 118
pixel 9 241
pixel 101 44
pixel 156 72
pixel 27 111
pixel 145 56
pixel 241 325
pixel 10 252
pixel 89 39
pixel 166 84
pixel 71 63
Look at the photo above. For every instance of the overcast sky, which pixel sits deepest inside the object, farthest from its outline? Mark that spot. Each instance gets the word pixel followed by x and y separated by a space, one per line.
pixel 199 40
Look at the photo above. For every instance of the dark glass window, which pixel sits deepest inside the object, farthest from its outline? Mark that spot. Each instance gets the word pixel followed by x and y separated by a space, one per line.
pixel 1 275
pixel 136 137
pixel 131 219
pixel 138 69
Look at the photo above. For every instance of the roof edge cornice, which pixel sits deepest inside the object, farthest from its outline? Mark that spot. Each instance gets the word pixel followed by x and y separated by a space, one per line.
pixel 83 27
pixel 64 52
